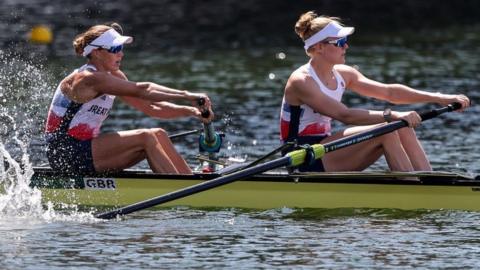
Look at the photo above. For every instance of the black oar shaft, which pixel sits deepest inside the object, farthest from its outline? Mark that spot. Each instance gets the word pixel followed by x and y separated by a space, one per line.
pixel 284 161
pixel 364 136
pixel 273 152
pixel 382 130
pixel 209 133
pixel 185 133
pixel 434 113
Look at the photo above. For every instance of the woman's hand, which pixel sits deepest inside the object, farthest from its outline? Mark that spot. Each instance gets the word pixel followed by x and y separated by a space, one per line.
pixel 196 97
pixel 203 105
pixel 448 99
pixel 200 113
pixel 413 118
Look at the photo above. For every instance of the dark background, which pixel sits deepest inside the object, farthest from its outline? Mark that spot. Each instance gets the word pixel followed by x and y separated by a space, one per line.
pixel 170 24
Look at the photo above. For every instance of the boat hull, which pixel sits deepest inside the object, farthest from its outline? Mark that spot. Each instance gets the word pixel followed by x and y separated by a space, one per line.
pixel 268 191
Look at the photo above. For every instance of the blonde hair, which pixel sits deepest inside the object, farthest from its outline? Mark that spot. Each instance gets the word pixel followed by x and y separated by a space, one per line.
pixel 83 39
pixel 310 23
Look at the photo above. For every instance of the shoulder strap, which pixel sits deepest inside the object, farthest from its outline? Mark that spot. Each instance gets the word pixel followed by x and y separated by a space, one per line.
pixel 294 122
pixel 72 109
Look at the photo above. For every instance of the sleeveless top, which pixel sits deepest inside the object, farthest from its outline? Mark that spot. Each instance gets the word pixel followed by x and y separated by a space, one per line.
pixel 297 121
pixel 81 121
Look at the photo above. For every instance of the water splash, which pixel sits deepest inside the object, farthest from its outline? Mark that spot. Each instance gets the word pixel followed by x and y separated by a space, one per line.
pixel 21 202
pixel 25 89
pixel 19 198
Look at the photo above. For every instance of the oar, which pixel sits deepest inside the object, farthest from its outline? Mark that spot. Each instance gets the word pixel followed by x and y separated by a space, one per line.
pixel 209 141
pixel 294 158
pixel 185 133
pixel 205 114
pixel 259 160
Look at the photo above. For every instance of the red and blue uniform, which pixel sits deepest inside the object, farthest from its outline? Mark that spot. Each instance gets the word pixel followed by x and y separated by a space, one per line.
pixel 305 125
pixel 70 128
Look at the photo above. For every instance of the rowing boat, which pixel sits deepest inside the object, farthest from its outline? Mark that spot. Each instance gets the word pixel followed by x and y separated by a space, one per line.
pixel 418 190
pixel 257 186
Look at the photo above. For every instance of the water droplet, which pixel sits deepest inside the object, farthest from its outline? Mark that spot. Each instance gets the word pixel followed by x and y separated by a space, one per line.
pixel 271 76
pixel 280 56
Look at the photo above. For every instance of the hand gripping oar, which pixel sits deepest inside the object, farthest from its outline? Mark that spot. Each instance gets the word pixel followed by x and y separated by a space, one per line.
pixel 294 158
pixel 209 141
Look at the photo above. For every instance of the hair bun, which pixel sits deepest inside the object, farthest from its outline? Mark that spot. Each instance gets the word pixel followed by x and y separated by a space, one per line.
pixel 304 23
pixel 117 27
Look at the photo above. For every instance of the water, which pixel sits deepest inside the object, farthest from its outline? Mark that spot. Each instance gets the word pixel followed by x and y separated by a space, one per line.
pixel 283 238
pixel 246 87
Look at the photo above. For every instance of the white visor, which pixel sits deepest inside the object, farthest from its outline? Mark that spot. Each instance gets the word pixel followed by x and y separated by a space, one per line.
pixel 333 29
pixel 110 38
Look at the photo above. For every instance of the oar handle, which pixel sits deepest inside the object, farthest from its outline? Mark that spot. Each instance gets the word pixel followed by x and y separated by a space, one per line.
pixel 207 127
pixel 210 141
pixel 436 112
pixel 205 113
pixel 201 101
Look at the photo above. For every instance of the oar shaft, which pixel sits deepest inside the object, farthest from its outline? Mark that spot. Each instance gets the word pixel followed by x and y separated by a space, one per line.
pixel 284 161
pixel 364 136
pixel 298 157
pixel 209 133
pixel 382 130
pixel 181 134
pixel 208 129
pixel 434 113
pixel 273 152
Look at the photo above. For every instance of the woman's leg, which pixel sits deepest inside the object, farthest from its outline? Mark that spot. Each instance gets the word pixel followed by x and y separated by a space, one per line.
pixel 180 164
pixel 359 156
pixel 414 149
pixel 120 150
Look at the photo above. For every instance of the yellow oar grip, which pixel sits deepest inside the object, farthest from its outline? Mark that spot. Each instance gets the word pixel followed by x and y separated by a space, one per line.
pixel 297 157
pixel 319 150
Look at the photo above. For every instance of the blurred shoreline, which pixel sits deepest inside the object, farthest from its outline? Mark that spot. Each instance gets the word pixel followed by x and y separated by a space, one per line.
pixel 183 24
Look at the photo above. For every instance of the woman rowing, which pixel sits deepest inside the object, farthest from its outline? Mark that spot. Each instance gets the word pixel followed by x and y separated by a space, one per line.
pixel 83 100
pixel 313 97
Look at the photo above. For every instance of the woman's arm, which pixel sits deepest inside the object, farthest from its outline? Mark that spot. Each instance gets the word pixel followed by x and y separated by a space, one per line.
pixel 394 93
pixel 165 110
pixel 304 90
pixel 84 86
pixel 169 110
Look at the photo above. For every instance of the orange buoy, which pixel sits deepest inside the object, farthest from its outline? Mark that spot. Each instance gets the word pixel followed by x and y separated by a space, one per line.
pixel 40 34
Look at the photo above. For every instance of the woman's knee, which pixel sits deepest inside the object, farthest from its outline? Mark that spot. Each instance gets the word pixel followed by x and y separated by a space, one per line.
pixel 159 132
pixel 392 137
pixel 407 133
pixel 147 136
pixel 156 135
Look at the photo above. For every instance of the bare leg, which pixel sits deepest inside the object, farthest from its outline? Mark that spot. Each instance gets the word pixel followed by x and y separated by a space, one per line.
pixel 414 149
pixel 358 157
pixel 180 164
pixel 120 150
